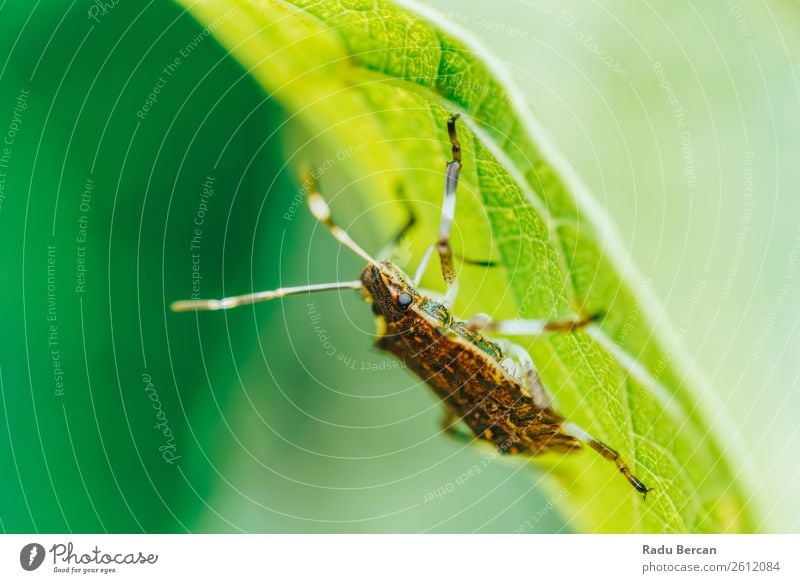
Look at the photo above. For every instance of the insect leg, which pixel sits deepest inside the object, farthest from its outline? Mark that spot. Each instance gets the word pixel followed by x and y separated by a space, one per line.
pixel 423 265
pixel 442 245
pixel 410 222
pixel 607 453
pixel 476 262
pixel 452 172
pixel 262 296
pixel 531 376
pixel 483 322
pixel 449 422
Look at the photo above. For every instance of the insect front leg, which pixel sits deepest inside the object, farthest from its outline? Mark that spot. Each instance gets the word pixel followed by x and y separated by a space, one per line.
pixel 423 265
pixel 452 172
pixel 394 242
pixel 442 245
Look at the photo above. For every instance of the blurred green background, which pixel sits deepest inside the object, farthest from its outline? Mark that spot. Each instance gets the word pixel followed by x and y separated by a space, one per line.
pixel 681 118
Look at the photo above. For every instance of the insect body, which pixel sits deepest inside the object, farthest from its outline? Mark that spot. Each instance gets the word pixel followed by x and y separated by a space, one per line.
pixel 467 371
pixel 490 385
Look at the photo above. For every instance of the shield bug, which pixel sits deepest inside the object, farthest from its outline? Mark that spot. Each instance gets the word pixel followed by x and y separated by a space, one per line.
pixel 489 384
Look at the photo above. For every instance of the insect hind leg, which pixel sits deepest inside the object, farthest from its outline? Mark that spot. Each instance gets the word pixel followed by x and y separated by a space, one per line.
pixel 609 454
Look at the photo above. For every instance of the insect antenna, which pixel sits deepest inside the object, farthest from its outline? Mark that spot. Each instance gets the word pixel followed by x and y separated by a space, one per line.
pixel 322 212
pixel 262 296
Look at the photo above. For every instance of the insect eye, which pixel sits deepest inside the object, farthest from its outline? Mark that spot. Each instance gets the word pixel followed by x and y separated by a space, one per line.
pixel 404 300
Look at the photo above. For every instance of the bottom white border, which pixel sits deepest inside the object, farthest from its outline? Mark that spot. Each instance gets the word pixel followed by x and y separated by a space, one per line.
pixel 445 558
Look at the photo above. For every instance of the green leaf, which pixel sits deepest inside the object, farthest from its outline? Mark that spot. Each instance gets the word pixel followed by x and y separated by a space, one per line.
pixel 373 82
